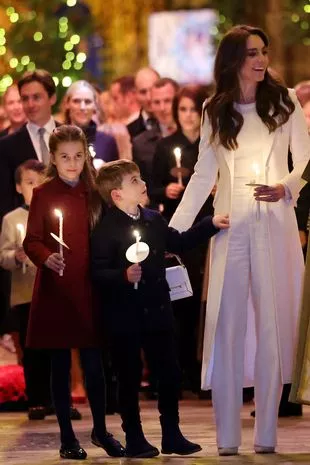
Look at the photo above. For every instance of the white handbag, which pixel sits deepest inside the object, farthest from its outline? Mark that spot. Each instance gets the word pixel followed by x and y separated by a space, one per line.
pixel 178 281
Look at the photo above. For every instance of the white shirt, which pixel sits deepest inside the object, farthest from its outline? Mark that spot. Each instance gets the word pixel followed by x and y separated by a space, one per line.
pixel 34 135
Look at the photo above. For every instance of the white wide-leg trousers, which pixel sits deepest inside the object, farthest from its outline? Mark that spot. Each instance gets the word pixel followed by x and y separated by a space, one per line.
pixel 247 270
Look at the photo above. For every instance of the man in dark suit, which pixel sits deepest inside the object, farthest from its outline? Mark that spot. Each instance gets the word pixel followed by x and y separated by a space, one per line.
pixel 144 145
pixel 38 94
pixel 144 81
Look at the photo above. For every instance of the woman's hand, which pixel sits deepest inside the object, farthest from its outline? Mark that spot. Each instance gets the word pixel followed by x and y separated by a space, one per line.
pixel 221 221
pixel 55 262
pixel 269 193
pixel 173 190
pixel 20 255
pixel 134 273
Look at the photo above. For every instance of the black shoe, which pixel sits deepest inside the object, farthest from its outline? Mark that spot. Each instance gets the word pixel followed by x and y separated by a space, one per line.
pixel 111 445
pixel 173 441
pixel 179 446
pixel 73 452
pixel 75 414
pixel 137 446
pixel 36 413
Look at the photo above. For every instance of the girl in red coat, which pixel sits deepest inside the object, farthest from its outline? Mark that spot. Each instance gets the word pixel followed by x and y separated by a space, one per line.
pixel 63 315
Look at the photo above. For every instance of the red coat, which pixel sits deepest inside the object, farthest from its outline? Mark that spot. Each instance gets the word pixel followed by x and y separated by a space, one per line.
pixel 62 312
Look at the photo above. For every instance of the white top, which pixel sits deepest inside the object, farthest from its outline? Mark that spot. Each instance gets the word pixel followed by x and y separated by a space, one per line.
pixel 248 157
pixel 34 135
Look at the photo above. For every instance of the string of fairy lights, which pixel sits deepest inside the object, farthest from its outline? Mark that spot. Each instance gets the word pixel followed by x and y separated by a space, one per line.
pixel 73 59
pixel 20 55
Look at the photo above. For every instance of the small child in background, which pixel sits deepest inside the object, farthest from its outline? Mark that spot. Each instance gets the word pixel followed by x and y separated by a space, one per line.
pixel 36 363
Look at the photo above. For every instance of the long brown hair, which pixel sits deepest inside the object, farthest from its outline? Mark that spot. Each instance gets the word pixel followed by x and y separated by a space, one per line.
pixel 273 103
pixel 70 133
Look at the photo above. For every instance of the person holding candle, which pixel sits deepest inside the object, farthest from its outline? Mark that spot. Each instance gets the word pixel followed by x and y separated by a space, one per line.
pixel 166 189
pixel 251 322
pixel 36 363
pixel 63 313
pixel 141 318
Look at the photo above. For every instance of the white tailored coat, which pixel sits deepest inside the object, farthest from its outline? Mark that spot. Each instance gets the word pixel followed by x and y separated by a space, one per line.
pixel 285 256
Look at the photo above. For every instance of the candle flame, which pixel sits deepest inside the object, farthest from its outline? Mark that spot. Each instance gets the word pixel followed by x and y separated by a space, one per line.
pixel 256 169
pixel 136 233
pixel 58 213
pixel 177 152
pixel 20 228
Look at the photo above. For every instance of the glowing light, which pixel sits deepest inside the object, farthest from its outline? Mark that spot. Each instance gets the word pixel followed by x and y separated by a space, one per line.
pixel 25 60
pixel 68 46
pixel 2 31
pixel 67 81
pixel 75 39
pixel 19 68
pixel 31 66
pixel 307 8
pixel 70 56
pixel 37 36
pixel 2 40
pixel 66 64
pixel 81 57
pixel 222 19
pixel 2 50
pixel 304 25
pixel 71 2
pixel 306 41
pixel 295 18
pixel 14 17
pixel 78 66
pixel 63 20
pixel 7 80
pixel 56 80
pixel 13 62
pixel 63 27
pixel 10 10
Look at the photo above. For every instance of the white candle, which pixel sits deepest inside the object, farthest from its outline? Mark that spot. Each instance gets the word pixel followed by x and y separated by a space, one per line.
pixel 21 229
pixel 92 151
pixel 60 235
pixel 256 171
pixel 178 154
pixel 138 237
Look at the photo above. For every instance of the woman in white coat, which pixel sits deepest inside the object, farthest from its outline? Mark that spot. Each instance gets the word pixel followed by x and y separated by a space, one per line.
pixel 257 265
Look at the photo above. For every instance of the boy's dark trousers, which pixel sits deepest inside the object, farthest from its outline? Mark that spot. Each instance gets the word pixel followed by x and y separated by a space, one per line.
pixel 160 349
pixel 36 363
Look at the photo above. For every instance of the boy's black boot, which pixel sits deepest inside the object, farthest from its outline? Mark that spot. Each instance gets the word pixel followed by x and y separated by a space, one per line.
pixel 111 445
pixel 173 441
pixel 72 452
pixel 137 446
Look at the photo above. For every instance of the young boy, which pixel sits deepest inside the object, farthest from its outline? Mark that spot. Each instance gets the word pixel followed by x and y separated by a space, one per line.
pixel 141 318
pixel 12 257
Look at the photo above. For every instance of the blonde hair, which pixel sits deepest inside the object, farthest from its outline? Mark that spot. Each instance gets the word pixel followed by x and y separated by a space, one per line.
pixel 75 87
pixel 70 133
pixel 111 175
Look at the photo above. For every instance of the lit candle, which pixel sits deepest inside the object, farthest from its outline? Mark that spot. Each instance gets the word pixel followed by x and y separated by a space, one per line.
pixel 256 171
pixel 138 237
pixel 178 154
pixel 21 229
pixel 60 235
pixel 92 151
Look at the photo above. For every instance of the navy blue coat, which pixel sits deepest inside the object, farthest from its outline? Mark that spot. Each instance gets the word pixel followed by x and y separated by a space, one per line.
pixel 123 308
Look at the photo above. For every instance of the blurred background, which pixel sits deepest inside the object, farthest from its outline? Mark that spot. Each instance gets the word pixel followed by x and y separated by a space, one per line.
pixel 99 40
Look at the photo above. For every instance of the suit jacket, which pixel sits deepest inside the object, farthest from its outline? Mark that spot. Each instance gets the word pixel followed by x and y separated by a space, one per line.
pixel 136 127
pixel 143 150
pixel 62 314
pixel 14 150
pixel 125 309
pixel 104 144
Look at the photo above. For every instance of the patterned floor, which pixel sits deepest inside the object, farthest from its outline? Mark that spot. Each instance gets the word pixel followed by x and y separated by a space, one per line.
pixel 36 443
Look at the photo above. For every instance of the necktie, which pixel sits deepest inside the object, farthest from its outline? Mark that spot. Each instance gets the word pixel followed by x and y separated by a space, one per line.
pixel 44 150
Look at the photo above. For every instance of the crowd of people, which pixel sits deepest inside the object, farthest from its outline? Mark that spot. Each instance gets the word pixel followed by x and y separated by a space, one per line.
pixel 225 162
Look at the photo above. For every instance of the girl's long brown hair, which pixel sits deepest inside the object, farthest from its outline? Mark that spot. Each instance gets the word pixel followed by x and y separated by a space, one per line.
pixel 70 133
pixel 273 103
